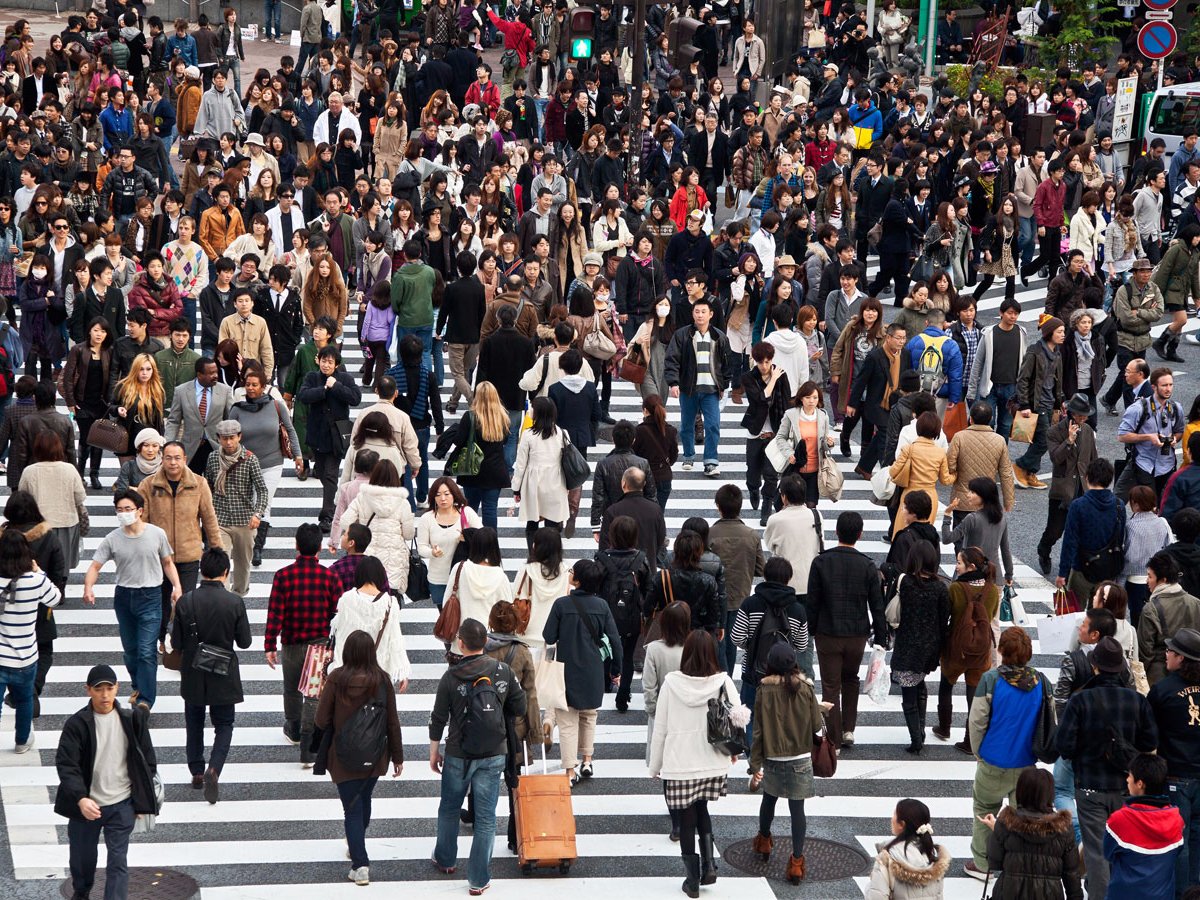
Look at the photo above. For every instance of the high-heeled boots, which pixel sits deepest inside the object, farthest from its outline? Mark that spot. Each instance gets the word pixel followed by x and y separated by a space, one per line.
pixel 708 860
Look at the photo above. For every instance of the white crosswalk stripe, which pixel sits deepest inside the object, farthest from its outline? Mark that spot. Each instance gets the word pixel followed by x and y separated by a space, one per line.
pixel 278 829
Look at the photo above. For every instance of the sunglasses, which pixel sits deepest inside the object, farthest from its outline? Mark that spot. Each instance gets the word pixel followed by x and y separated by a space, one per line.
pixel 62 227
pixel 40 203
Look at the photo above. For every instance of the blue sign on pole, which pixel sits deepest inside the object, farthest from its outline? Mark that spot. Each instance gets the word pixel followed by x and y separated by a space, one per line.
pixel 1157 40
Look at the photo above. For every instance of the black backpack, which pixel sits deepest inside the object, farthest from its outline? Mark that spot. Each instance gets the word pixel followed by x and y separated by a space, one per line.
pixel 773 628
pixel 484 727
pixel 363 739
pixel 622 591
pixel 1108 561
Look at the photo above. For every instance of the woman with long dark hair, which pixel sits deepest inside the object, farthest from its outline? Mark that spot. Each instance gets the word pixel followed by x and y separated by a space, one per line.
pixel 649 346
pixel 657 441
pixel 537 480
pixel 693 771
pixel 862 334
pixel 910 864
pixel 974 579
pixel 924 625
pixel 542 580
pixel 480 579
pixel 985 528
pixel 684 579
pixel 85 389
pixel 441 530
pixel 804 436
pixel 359 681
pixel 1000 253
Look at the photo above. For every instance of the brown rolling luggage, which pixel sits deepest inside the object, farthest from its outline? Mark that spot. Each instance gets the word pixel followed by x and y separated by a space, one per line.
pixel 545 822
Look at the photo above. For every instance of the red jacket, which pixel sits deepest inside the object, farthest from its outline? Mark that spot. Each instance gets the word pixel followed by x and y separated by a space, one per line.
pixel 1048 203
pixel 817 154
pixel 164 305
pixel 516 37
pixel 488 98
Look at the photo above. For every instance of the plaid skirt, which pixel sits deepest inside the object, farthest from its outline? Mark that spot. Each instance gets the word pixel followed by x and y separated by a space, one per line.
pixel 682 794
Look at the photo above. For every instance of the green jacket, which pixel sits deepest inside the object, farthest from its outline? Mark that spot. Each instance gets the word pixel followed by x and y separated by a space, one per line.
pixel 784 723
pixel 416 290
pixel 1177 276
pixel 305 362
pixel 175 368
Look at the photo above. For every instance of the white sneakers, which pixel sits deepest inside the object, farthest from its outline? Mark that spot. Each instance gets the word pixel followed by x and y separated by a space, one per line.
pixel 360 876
pixel 25 747
pixel 847 738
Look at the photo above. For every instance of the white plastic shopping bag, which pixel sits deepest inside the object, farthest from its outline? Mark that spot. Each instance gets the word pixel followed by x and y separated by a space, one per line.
pixel 879 676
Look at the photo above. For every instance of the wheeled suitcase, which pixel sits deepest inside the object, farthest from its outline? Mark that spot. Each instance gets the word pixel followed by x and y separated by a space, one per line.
pixel 545 822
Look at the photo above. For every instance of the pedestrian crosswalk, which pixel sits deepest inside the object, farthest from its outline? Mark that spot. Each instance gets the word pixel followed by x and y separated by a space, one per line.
pixel 278 829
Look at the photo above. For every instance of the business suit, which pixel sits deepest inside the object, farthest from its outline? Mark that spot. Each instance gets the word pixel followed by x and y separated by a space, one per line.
pixel 872 383
pixel 711 177
pixel 184 425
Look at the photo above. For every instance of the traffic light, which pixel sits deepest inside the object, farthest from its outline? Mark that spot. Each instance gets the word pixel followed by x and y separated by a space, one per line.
pixel 583 30
pixel 681 41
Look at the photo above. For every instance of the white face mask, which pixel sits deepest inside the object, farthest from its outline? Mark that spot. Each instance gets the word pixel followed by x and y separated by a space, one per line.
pixel 38 273
pixel 125 519
pixel 663 309
pixel 602 298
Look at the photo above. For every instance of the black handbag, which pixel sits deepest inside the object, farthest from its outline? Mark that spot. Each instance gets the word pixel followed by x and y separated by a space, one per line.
pixel 418 575
pixel 211 659
pixel 575 468
pixel 341 435
pixel 726 737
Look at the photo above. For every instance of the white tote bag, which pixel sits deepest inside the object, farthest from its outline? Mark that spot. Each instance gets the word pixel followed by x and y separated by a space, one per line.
pixel 1054 632
pixel 882 487
pixel 550 681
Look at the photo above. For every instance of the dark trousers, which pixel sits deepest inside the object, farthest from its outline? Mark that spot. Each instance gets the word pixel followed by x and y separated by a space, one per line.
pixel 1056 521
pixel 222 721
pixel 85 423
pixel 199 459
pixel 1031 459
pixel 376 366
pixel 628 647
pixel 1049 253
pixel 1094 808
pixel 873 448
pixel 892 267
pixel 727 650
pixel 189 575
pixel 299 712
pixel 116 824
pixel 1119 387
pixel 862 247
pixel 532 527
pixel 840 659
pixel 1185 793
pixel 356 809
pixel 1010 287
pixel 1138 595
pixel 328 467
pixel 760 472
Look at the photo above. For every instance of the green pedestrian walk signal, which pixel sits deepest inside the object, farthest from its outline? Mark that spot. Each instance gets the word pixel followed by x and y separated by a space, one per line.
pixel 581 48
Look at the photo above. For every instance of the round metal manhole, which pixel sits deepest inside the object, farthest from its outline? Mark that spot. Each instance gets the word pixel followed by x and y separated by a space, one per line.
pixel 823 860
pixel 146 884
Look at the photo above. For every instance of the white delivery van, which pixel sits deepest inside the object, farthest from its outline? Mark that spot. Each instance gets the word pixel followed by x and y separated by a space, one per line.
pixel 1174 111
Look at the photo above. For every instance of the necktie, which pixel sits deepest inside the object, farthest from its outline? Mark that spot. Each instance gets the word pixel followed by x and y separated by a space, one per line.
pixel 203 404
pixel 285 221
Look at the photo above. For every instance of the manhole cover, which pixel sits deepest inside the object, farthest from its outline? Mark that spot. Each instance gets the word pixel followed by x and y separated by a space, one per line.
pixel 823 860
pixel 147 884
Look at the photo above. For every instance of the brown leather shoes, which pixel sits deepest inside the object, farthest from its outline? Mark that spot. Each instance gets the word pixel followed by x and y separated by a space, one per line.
pixel 763 844
pixel 795 869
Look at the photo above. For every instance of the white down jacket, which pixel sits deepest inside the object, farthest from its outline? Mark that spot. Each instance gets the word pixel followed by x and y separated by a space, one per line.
pixel 386 512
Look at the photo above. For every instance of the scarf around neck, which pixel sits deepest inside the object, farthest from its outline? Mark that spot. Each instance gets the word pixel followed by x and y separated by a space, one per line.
pixel 148 467
pixel 227 463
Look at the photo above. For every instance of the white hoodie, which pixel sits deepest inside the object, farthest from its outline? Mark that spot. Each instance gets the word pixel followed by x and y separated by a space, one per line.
pixel 791 355
pixel 479 588
pixel 679 748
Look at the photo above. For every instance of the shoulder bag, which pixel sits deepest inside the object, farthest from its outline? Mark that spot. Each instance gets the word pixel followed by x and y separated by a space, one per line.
pixel 445 628
pixel 829 477
pixel 724 734
pixel 597 344
pixel 469 458
pixel 634 370
pixel 824 755
pixel 285 441
pixel 575 468
pixel 603 645
pixel 523 602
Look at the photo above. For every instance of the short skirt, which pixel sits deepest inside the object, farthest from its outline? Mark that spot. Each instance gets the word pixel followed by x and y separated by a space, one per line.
pixel 682 794
pixel 790 779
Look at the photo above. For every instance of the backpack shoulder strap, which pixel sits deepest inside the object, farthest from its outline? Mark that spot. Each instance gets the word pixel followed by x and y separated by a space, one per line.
pixel 820 532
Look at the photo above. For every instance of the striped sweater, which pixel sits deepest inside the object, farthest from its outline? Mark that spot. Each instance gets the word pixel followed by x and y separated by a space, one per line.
pixel 18 617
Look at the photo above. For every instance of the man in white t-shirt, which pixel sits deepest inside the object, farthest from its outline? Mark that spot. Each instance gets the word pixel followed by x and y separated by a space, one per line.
pixel 143 558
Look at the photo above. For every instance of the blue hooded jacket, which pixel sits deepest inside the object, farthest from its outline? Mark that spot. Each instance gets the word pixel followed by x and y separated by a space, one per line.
pixel 952 361
pixel 870 117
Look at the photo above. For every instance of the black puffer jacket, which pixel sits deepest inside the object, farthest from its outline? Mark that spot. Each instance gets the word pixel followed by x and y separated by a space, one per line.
pixel 698 589
pixel 1037 854
pixel 924 624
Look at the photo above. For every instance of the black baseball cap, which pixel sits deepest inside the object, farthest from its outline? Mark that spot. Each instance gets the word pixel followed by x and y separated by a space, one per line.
pixel 101 675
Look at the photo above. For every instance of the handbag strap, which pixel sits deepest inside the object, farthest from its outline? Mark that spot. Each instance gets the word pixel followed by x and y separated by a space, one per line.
pixel 587 622
pixel 668 586
pixel 386 615
pixel 520 584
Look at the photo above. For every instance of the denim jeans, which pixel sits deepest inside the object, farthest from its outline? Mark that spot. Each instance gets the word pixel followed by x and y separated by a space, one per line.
pixel 1185 793
pixel 1031 460
pixel 234 65
pixel 425 333
pixel 139 616
pixel 272 16
pixel 540 107
pixel 726 650
pixel 514 435
pixel 19 683
pixel 356 809
pixel 662 493
pixel 998 401
pixel 116 823
pixel 418 489
pixel 437 593
pixel 749 691
pixel 1064 791
pixel 222 716
pixel 482 777
pixel 484 501
pixel 307 50
pixel 167 142
pixel 709 406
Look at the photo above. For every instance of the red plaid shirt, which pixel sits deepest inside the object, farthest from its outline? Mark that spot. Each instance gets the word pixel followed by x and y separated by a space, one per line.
pixel 304 597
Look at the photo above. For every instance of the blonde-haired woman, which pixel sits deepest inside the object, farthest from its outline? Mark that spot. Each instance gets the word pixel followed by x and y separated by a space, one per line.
pixel 489 422
pixel 382 505
pixel 139 400
pixel 324 293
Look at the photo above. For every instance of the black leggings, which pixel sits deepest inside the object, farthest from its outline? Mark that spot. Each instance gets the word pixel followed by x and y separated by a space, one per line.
pixel 766 815
pixel 532 527
pixel 691 820
pixel 85 423
pixel 1010 287
pixel 603 378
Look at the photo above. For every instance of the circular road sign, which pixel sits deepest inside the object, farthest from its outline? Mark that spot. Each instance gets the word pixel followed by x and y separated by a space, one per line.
pixel 1159 5
pixel 1157 40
